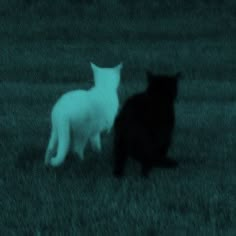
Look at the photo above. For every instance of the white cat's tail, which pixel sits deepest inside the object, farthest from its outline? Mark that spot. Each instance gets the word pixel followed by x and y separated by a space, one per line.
pixel 52 145
pixel 63 132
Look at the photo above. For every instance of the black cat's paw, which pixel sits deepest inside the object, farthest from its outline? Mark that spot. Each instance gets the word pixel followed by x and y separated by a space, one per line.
pixel 145 171
pixel 145 175
pixel 173 164
pixel 118 173
pixel 167 163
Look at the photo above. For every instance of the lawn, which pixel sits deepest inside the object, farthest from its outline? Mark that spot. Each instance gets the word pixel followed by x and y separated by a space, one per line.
pixel 40 61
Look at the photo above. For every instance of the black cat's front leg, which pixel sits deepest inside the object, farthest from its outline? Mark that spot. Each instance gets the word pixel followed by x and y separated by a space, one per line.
pixel 164 160
pixel 145 170
pixel 119 152
pixel 119 166
pixel 119 162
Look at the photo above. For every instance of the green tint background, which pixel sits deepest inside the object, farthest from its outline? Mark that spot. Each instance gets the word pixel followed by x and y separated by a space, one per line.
pixel 45 50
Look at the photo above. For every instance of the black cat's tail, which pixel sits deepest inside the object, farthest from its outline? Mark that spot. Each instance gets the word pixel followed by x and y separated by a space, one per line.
pixel 167 163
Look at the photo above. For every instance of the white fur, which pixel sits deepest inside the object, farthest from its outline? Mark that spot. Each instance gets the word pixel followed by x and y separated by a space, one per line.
pixel 80 116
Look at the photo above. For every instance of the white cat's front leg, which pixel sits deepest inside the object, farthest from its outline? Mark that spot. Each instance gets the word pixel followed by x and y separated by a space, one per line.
pixel 96 142
pixel 109 126
pixel 79 149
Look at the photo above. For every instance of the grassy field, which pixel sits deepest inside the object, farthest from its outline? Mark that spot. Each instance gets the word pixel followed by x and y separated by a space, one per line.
pixel 43 56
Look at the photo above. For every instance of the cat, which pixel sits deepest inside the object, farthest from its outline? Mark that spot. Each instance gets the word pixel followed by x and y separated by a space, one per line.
pixel 143 128
pixel 80 116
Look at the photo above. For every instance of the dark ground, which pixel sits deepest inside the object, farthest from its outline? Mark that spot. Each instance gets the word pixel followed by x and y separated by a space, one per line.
pixel 45 51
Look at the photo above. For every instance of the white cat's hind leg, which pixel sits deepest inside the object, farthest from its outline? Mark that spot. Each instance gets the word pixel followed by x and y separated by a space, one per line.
pixel 96 142
pixel 51 149
pixel 80 139
pixel 79 149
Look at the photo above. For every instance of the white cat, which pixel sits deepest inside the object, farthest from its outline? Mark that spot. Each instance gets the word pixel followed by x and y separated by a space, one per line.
pixel 80 116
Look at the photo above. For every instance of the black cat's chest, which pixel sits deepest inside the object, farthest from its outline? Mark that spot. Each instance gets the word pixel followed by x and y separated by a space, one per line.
pixel 149 109
pixel 137 106
pixel 150 112
pixel 144 126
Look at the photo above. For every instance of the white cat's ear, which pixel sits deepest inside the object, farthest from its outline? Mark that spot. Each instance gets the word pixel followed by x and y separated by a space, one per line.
pixel 120 66
pixel 93 66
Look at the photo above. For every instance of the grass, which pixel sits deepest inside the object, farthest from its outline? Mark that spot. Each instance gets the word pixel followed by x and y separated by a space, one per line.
pixel 44 55
pixel 83 198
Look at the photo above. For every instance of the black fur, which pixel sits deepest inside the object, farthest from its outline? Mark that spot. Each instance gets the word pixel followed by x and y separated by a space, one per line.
pixel 144 126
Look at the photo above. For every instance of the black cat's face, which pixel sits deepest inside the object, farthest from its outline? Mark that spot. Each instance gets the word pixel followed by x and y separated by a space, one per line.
pixel 163 86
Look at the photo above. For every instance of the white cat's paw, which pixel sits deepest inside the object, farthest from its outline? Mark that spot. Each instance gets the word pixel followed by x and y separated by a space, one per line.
pixel 79 153
pixel 55 162
pixel 96 143
pixel 46 162
pixel 108 130
pixel 97 148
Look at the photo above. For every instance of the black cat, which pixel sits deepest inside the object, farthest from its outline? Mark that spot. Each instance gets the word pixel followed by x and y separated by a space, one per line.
pixel 143 128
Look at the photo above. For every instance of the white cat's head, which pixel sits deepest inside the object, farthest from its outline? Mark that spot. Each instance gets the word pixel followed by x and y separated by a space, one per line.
pixel 107 77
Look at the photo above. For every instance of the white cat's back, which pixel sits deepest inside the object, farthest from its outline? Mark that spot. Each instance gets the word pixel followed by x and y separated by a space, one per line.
pixel 94 107
pixel 105 107
pixel 73 104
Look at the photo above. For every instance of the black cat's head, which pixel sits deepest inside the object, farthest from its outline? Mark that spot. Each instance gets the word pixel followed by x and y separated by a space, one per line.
pixel 162 85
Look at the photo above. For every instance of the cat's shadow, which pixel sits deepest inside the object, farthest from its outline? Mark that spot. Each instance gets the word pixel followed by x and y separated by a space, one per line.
pixel 31 158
